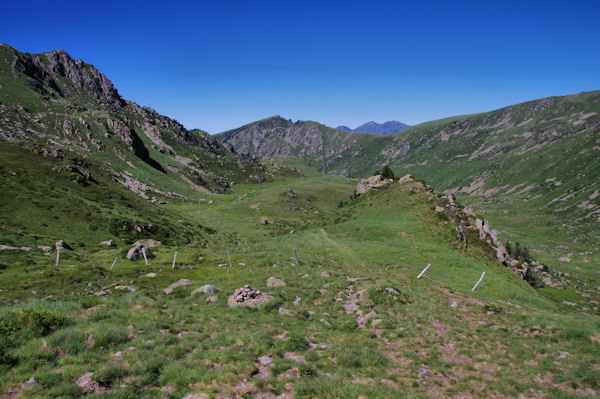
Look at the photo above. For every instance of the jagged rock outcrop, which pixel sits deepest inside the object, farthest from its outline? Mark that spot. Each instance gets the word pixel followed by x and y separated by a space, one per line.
pixel 67 105
pixel 370 183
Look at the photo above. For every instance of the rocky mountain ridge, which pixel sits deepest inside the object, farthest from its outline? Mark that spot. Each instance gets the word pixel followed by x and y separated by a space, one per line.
pixel 55 101
pixel 385 128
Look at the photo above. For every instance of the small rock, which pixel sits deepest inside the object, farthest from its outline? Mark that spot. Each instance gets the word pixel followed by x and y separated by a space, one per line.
pixel 30 383
pixel 265 361
pixel 562 355
pixel 109 243
pixel 285 312
pixel 325 322
pixel 324 274
pixel 274 282
pixel 295 357
pixel 180 283
pixel 392 291
pixel 298 301
pixel 149 275
pixel 264 221
pixel 87 385
pixel 211 299
pixel 129 288
pixel 376 323
pixel 291 373
pixel 205 289
pixel 45 248
pixel 196 396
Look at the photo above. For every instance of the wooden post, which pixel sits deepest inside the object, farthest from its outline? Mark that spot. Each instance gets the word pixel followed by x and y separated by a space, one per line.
pixel 229 257
pixel 424 270
pixel 296 256
pixel 145 258
pixel 113 264
pixel 174 259
pixel 57 255
pixel 477 283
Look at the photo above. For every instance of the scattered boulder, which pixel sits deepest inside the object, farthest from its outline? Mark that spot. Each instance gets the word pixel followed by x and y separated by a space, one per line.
pixel 148 242
pixel 264 220
pixel 109 243
pixel 406 179
pixel 274 282
pixel 392 291
pixel 285 312
pixel 45 248
pixel 30 383
pixel 181 283
pixel 291 373
pixel 196 396
pixel 295 357
pixel 7 247
pixel 129 288
pixel 298 301
pixel 136 253
pixel 248 296
pixel 211 299
pixel 87 385
pixel 263 366
pixel 205 289
pixel 149 275
pixel 370 183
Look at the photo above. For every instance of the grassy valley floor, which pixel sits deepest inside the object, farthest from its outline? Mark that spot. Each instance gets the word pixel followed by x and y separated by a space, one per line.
pixel 351 320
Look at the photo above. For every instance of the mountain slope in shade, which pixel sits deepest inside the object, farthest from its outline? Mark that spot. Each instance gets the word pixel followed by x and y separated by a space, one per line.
pixel 390 127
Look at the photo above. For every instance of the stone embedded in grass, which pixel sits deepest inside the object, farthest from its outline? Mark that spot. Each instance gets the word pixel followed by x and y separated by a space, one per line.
pixel 205 289
pixel 196 396
pixel 285 312
pixel 392 291
pixel 87 385
pixel 295 357
pixel 109 243
pixel 248 296
pixel 274 282
pixel 291 373
pixel 298 301
pixel 129 288
pixel 211 299
pixel 180 283
pixel 149 275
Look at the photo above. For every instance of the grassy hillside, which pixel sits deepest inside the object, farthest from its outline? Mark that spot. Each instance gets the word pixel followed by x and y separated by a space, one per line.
pixel 431 337
pixel 532 169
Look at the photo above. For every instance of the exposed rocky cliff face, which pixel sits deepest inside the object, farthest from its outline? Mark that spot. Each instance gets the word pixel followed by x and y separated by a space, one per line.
pixel 54 101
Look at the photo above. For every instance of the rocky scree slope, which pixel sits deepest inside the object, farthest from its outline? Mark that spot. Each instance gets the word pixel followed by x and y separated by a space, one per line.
pixel 50 102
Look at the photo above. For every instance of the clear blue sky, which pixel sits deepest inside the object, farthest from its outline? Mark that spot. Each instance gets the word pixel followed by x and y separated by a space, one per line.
pixel 218 64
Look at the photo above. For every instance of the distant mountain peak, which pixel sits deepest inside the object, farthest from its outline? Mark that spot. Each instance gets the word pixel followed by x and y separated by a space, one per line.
pixel 389 127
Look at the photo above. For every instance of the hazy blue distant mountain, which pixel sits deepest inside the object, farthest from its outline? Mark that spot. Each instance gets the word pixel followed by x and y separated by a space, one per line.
pixel 389 127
